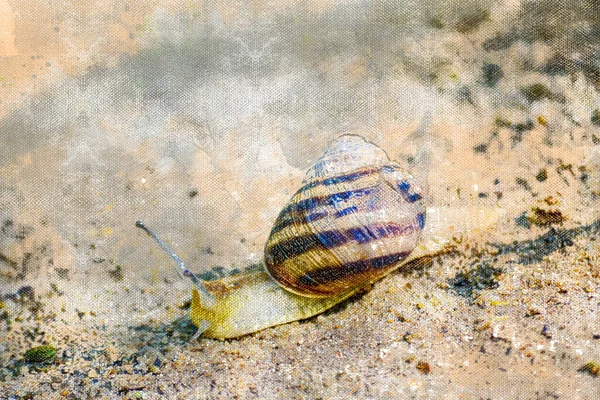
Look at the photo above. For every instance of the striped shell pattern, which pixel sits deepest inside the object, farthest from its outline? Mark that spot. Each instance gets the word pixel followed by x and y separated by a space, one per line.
pixel 356 216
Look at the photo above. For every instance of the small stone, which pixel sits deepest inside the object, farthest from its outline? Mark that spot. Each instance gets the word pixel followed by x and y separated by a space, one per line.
pixel 410 337
pixel 423 367
pixel 546 332
pixel 503 332
pixel 40 354
pixel 112 354
pixel 542 175
pixel 399 314
pixel 533 311
pixel 591 367
pixel 92 373
pixel 482 325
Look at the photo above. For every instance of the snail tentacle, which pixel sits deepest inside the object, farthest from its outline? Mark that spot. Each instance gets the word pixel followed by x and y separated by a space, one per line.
pixel 202 327
pixel 208 300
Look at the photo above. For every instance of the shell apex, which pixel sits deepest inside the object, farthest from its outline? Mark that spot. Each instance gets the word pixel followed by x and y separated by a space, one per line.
pixel 347 153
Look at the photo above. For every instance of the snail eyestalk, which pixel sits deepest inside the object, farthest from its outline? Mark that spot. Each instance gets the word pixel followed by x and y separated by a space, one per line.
pixel 208 300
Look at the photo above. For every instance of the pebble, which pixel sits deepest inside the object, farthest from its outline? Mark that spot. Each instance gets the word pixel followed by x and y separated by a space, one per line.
pixel 503 332
pixel 112 354
pixel 547 332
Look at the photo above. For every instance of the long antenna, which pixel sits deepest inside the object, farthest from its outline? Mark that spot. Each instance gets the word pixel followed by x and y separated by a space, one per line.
pixel 208 300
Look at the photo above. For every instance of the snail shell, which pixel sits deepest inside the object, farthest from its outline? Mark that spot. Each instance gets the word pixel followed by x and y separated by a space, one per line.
pixel 356 216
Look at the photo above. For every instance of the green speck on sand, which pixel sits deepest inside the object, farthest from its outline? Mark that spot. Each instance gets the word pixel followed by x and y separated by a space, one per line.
pixel 40 354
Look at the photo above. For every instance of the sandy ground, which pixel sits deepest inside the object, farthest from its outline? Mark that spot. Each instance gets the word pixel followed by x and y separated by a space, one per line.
pixel 202 119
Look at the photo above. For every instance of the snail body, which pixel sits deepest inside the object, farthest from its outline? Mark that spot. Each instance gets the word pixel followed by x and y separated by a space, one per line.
pixel 356 218
pixel 251 301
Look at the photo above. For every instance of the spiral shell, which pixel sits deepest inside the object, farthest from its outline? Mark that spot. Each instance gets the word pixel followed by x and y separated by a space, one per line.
pixel 355 217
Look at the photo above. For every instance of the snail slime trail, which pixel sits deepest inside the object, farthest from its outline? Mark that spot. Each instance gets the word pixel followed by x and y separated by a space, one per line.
pixel 356 217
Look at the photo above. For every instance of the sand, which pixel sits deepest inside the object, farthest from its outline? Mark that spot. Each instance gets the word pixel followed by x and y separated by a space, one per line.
pixel 202 120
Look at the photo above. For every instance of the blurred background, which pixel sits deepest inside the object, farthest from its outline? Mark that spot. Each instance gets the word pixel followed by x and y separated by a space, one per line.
pixel 200 118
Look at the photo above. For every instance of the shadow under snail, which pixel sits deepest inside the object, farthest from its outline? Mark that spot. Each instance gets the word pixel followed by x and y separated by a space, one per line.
pixel 357 217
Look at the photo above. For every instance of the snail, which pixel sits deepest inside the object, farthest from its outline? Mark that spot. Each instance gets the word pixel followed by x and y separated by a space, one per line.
pixel 357 217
